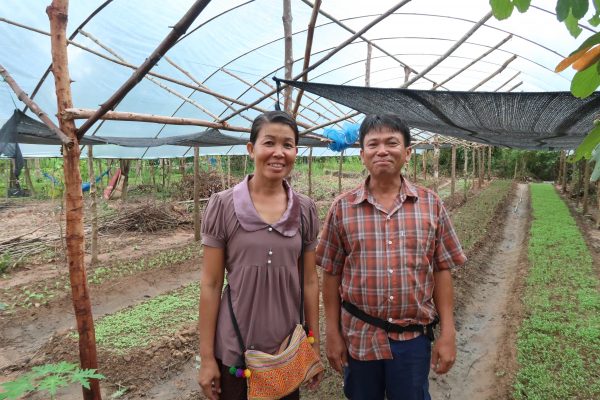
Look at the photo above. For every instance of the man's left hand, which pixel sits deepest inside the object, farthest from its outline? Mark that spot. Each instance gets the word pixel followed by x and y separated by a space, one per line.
pixel 443 354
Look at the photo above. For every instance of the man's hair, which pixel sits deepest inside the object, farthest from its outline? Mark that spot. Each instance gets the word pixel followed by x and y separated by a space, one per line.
pixel 278 117
pixel 378 122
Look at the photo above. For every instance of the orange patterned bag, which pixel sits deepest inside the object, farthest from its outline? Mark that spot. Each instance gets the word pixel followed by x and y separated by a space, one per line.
pixel 275 376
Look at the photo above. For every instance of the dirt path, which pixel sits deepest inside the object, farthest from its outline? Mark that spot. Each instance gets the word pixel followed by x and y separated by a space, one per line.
pixel 482 321
pixel 20 340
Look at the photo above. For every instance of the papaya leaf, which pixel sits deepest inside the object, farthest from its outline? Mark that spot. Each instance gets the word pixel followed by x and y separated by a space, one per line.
pixel 52 383
pixel 501 9
pixel 591 141
pixel 83 377
pixel 522 5
pixel 579 8
pixel 572 25
pixel 17 388
pixel 595 20
pixel 585 82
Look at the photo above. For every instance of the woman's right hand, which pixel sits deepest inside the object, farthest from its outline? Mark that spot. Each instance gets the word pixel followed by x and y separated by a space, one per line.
pixel 209 378
pixel 336 350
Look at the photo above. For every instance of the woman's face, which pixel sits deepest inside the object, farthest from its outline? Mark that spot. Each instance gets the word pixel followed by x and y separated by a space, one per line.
pixel 274 152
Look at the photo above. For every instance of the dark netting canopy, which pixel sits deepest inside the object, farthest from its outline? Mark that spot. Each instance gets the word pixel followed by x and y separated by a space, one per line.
pixel 534 121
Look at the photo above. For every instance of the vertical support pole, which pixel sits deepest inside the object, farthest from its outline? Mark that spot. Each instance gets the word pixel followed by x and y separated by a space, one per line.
pixel 586 185
pixel 474 162
pixel 466 173
pixel 368 65
pixel 415 162
pixel 340 172
pixel 245 164
pixel 453 172
pixel 480 168
pixel 93 207
pixel 424 159
pixel 436 164
pixel 564 176
pixel 58 15
pixel 229 171
pixel 28 177
pixel 310 171
pixel 489 160
pixel 289 57
pixel 196 194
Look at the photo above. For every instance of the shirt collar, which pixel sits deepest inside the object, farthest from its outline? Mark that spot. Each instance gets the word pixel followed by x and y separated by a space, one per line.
pixel 362 193
pixel 250 220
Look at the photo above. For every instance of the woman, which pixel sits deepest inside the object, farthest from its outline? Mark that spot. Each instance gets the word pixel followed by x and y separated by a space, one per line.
pixel 253 231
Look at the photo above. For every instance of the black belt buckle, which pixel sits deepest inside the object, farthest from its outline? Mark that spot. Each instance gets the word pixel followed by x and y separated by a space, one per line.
pixel 428 332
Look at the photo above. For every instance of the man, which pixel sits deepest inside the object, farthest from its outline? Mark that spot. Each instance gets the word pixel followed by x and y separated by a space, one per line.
pixel 386 249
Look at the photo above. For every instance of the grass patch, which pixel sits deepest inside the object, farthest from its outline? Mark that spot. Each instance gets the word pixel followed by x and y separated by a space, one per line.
pixel 473 219
pixel 140 325
pixel 41 292
pixel 559 341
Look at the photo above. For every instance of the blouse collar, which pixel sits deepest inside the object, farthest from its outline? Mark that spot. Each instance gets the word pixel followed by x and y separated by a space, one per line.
pixel 251 221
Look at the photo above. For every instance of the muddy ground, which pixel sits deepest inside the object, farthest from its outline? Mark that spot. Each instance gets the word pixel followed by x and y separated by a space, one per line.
pixel 487 313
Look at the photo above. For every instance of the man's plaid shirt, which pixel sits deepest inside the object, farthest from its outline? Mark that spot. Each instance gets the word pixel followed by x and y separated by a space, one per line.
pixel 387 261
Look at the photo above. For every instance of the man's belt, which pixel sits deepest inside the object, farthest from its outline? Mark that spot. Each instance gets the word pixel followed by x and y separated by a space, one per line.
pixel 387 326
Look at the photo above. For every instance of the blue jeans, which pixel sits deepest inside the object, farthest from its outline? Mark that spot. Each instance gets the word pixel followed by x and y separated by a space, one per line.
pixel 405 377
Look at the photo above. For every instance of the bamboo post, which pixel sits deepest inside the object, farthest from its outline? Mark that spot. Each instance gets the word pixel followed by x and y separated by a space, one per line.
pixel 229 171
pixel 152 173
pixel 28 177
pixel 564 176
pixel 368 65
pixel 436 163
pixel 579 185
pixel 480 167
pixel 196 194
pixel 586 185
pixel 340 172
pixel 424 160
pixel 453 172
pixel 57 13
pixel 474 161
pixel 516 167
pixel 598 197
pixel 245 163
pixel 182 167
pixel 466 173
pixel 288 56
pixel 498 71
pixel 93 207
pixel 560 167
pixel 163 168
pixel 310 170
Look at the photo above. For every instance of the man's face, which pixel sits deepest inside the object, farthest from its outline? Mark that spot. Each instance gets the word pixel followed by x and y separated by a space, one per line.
pixel 384 153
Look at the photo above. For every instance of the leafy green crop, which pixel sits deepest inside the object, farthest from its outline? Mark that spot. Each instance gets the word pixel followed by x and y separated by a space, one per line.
pixel 48 378
pixel 558 346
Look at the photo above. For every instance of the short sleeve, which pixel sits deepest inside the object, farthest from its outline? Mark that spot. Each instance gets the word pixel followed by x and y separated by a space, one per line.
pixel 213 226
pixel 310 222
pixel 330 251
pixel 448 252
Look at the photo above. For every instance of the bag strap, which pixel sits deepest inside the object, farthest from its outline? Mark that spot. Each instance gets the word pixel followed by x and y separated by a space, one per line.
pixel 236 327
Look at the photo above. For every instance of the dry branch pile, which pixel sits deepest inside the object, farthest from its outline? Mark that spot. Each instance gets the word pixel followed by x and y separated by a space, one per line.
pixel 210 182
pixel 147 217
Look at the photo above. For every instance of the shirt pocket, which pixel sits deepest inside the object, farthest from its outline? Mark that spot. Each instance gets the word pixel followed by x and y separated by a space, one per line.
pixel 418 246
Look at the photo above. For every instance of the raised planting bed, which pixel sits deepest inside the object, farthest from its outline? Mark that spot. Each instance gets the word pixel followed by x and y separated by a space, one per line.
pixel 559 340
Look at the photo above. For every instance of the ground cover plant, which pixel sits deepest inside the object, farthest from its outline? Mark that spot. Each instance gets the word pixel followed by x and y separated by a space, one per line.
pixel 559 340
pixel 472 220
pixel 43 291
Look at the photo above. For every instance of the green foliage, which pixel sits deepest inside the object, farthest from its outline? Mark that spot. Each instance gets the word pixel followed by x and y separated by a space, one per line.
pixel 48 378
pixel 585 149
pixel 472 220
pixel 586 82
pixel 140 325
pixel 503 9
pixel 558 344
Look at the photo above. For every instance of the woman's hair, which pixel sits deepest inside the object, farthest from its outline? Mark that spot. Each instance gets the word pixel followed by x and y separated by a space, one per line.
pixel 278 117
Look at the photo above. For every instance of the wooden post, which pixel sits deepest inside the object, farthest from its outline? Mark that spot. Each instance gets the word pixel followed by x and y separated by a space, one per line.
pixel 453 172
pixel 415 159
pixel 474 161
pixel 28 177
pixel 182 167
pixel 340 172
pixel 289 57
pixel 598 197
pixel 489 160
pixel 560 166
pixel 368 65
pixel 245 163
pixel 424 159
pixel 586 185
pixel 58 12
pixel 480 168
pixel 228 171
pixel 164 173
pixel 125 174
pixel 93 207
pixel 196 194
pixel 564 176
pixel 436 164
pixel 152 173
pixel 466 173
pixel 516 168
pixel 310 169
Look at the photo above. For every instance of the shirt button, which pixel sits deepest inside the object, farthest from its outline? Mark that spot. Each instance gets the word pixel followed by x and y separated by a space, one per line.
pixel 390 320
pixel 270 229
pixel 388 217
pixel 390 270
pixel 251 347
pixel 268 261
pixel 391 297
pixel 390 242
